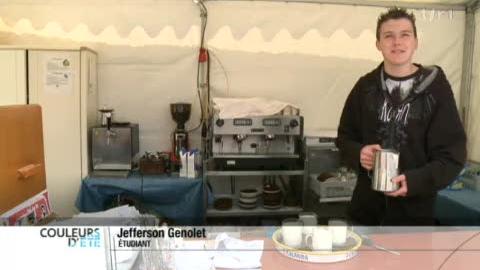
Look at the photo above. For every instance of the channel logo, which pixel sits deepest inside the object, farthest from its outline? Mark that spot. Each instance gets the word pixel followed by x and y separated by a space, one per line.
pixel 76 237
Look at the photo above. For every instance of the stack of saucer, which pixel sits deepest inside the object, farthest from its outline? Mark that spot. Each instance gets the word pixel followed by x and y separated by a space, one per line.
pixel 222 203
pixel 272 197
pixel 248 198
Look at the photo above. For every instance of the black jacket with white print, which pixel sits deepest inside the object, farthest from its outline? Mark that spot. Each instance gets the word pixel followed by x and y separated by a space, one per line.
pixel 424 128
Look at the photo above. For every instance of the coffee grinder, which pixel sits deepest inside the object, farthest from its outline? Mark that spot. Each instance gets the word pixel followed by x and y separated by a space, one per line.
pixel 180 114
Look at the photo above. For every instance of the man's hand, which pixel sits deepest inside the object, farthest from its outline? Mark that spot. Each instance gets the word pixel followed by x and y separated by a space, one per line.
pixel 367 155
pixel 402 191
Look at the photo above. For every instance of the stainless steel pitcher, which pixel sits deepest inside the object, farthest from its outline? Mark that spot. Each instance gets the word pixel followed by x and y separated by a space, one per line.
pixel 385 168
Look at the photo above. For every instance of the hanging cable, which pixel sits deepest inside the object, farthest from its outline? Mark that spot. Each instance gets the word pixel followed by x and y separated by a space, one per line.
pixel 227 81
pixel 203 58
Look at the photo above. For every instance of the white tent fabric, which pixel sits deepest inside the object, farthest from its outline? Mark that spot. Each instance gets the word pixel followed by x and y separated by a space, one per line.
pixel 122 16
pixel 151 16
pixel 316 63
pixel 433 1
pixel 306 54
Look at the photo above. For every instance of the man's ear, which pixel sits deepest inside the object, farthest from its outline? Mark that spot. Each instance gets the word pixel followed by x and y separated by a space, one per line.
pixel 416 43
pixel 377 44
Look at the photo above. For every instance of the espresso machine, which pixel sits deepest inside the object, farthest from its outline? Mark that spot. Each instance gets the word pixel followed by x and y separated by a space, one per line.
pixel 114 146
pixel 257 143
pixel 180 113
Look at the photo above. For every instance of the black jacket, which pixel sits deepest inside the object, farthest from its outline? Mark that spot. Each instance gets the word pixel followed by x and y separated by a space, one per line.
pixel 425 128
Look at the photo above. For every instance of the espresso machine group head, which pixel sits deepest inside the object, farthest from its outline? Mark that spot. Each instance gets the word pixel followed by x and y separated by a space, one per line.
pixel 106 117
pixel 180 114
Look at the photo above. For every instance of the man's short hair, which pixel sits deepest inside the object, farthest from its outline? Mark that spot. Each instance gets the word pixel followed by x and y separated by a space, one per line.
pixel 395 13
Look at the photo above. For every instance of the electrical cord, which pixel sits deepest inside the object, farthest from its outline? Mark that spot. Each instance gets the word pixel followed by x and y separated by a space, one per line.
pixel 227 81
pixel 199 99
pixel 204 16
pixel 208 86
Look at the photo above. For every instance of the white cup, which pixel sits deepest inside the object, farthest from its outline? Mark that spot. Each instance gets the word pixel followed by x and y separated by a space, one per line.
pixel 308 231
pixel 292 232
pixel 338 228
pixel 309 220
pixel 320 240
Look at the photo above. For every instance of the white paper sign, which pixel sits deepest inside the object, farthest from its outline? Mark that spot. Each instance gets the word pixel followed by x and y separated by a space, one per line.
pixel 59 75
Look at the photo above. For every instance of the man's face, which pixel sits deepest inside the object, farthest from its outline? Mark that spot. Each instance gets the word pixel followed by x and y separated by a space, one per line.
pixel 397 42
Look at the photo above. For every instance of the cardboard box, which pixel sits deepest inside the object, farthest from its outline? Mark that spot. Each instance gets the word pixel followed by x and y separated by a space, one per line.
pixel 30 212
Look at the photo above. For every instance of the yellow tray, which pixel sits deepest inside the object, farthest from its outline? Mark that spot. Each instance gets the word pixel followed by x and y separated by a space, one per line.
pixel 337 255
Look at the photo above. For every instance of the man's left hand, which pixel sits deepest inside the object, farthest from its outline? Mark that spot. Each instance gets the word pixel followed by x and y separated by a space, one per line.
pixel 402 191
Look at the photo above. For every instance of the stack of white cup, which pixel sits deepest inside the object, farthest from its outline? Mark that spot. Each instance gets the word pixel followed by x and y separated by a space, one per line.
pixel 304 233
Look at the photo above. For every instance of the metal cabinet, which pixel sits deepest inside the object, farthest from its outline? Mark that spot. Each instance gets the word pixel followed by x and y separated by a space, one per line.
pixel 63 82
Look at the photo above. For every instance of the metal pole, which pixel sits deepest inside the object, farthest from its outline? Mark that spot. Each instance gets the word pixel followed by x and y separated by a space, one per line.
pixel 468 56
pixel 371 3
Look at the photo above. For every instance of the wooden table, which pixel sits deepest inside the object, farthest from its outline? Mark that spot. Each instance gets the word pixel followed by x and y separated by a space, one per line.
pixel 422 251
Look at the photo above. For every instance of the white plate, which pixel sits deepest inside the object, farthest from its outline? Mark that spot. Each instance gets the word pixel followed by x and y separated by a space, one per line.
pixel 249 193
pixel 341 253
pixel 272 207
pixel 247 200
pixel 247 206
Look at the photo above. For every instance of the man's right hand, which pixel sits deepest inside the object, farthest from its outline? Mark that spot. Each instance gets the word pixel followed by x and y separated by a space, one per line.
pixel 367 155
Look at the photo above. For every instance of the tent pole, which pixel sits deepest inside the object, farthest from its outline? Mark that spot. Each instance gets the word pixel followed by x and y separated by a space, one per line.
pixel 467 70
pixel 473 4
pixel 468 56
pixel 437 6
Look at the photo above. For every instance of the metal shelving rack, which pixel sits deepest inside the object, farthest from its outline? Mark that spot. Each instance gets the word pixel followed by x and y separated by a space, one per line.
pixel 236 211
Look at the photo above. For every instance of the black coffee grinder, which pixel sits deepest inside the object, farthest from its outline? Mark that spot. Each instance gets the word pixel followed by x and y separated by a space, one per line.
pixel 180 114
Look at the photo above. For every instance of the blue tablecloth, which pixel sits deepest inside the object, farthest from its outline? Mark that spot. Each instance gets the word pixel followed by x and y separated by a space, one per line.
pixel 179 199
pixel 458 207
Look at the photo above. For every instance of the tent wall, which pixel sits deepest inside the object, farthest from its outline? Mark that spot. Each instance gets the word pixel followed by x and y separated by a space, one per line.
pixel 307 54
pixel 303 54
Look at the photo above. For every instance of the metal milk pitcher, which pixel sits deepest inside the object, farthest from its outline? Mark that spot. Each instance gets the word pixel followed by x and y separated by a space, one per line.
pixel 385 168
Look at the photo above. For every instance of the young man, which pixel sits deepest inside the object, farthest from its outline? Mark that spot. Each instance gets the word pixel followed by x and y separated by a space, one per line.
pixel 407 107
